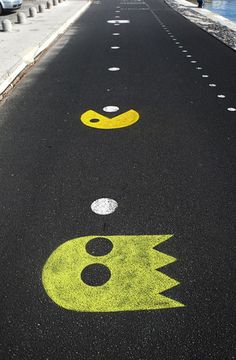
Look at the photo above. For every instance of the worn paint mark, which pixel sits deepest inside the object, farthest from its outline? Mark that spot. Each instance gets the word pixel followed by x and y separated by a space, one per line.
pixel 135 283
pixel 95 120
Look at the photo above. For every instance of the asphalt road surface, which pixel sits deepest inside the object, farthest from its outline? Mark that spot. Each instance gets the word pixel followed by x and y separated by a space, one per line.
pixel 170 167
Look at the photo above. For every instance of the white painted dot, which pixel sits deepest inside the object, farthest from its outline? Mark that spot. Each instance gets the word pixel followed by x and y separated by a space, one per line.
pixel 115 47
pixel 117 16
pixel 205 76
pixel 212 85
pixel 108 90
pixel 199 68
pixel 116 24
pixel 110 108
pixel 221 96
pixel 104 206
pixel 116 34
pixel 184 51
pixel 189 56
pixel 231 109
pixel 177 42
pixel 193 61
pixel 114 68
pixel 181 47
pixel 117 11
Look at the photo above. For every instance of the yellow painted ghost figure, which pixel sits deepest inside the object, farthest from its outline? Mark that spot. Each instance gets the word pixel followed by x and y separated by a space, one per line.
pixel 95 120
pixel 130 281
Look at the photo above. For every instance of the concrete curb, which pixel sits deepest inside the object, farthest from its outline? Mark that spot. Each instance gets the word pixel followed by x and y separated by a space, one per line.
pixel 216 25
pixel 31 54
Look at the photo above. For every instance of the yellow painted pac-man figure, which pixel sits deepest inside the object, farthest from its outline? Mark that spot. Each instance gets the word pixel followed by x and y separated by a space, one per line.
pixel 93 119
pixel 112 273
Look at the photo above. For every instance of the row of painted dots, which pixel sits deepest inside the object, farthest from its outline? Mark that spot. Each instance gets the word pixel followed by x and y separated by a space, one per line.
pixel 181 47
pixel 106 206
pixel 112 108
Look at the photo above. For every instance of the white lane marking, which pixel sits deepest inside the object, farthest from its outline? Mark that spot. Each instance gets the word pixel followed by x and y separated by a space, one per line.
pixel 231 109
pixel 177 42
pixel 117 16
pixel 110 108
pixel 114 68
pixel 212 85
pixel 205 76
pixel 118 21
pixel 108 90
pixel 199 68
pixel 193 61
pixel 117 11
pixel 184 51
pixel 104 206
pixel 181 47
pixel 116 24
pixel 115 47
pixel 221 96
pixel 116 34
pixel 188 56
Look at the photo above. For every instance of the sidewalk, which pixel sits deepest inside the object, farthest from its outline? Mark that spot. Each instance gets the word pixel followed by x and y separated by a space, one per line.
pixel 20 47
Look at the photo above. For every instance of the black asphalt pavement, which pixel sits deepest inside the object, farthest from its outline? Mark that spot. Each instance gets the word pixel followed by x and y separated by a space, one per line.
pixel 172 172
